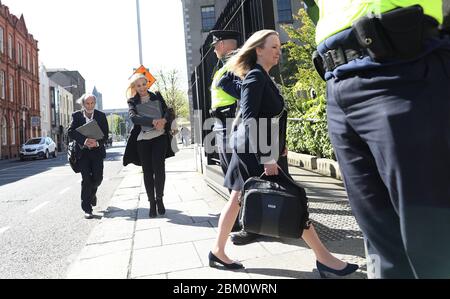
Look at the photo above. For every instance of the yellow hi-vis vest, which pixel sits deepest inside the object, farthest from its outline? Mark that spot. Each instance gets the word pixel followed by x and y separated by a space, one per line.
pixel 219 98
pixel 338 15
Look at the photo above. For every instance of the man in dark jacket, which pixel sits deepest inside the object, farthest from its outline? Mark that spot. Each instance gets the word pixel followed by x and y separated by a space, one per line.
pixel 93 153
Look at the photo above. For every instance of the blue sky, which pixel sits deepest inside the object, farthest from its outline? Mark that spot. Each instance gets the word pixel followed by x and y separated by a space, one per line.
pixel 99 39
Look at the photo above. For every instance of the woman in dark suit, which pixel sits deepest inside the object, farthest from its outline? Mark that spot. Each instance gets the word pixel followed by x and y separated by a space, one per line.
pixel 149 142
pixel 93 151
pixel 264 118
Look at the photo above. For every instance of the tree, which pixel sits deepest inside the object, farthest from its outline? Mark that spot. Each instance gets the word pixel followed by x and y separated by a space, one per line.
pixel 168 84
pixel 305 92
pixel 116 124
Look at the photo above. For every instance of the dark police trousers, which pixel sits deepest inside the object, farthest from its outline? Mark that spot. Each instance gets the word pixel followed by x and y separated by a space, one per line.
pixel 152 154
pixel 91 165
pixel 390 128
pixel 224 151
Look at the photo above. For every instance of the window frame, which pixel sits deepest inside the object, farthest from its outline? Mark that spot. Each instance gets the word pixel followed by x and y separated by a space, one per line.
pixel 282 11
pixel 206 19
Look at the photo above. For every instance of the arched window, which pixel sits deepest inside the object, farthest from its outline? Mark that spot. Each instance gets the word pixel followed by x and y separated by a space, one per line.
pixel 13 132
pixel 4 132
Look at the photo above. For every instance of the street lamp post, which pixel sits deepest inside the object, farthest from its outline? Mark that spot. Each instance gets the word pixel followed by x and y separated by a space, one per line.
pixel 139 32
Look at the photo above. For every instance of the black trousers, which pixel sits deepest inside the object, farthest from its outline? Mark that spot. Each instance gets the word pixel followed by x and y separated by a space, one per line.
pixel 224 150
pixel 390 128
pixel 91 165
pixel 152 154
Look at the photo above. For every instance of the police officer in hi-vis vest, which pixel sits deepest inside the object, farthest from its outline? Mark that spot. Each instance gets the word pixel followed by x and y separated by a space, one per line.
pixel 225 91
pixel 225 94
pixel 387 67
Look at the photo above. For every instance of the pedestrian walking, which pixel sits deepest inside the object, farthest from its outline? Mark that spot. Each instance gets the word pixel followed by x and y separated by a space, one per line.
pixel 261 102
pixel 149 142
pixel 93 151
pixel 185 136
pixel 225 94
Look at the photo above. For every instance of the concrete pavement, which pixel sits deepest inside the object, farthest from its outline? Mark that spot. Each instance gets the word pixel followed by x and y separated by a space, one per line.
pixel 127 244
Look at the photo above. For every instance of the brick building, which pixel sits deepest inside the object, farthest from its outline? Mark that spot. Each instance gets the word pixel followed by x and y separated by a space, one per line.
pixel 19 84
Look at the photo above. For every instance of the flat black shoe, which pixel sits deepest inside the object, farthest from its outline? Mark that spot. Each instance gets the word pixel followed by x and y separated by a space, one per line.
pixel 214 260
pixel 243 238
pixel 325 271
pixel 236 227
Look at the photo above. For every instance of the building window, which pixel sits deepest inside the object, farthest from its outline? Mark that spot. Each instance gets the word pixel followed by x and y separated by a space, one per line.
pixel 33 67
pixel 2 50
pixel 2 85
pixel 28 61
pixel 23 100
pixel 10 46
pixel 208 17
pixel 29 95
pixel 11 88
pixel 44 113
pixel 20 54
pixel 13 132
pixel 284 11
pixel 4 132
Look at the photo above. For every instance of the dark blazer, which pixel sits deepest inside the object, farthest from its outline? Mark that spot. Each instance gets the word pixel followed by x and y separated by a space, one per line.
pixel 78 120
pixel 261 99
pixel 131 155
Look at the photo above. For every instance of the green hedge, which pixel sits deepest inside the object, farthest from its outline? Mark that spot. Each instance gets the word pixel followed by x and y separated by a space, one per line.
pixel 310 135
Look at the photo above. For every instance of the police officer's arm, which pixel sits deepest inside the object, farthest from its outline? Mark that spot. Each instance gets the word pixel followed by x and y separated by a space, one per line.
pixel 231 85
pixel 137 119
pixel 73 133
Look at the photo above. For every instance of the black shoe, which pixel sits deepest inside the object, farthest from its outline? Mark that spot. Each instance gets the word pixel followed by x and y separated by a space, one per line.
pixel 94 201
pixel 152 213
pixel 214 260
pixel 243 238
pixel 88 216
pixel 160 205
pixel 236 227
pixel 325 271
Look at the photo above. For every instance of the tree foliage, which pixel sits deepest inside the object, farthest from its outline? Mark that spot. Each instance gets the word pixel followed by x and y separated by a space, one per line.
pixel 116 124
pixel 305 92
pixel 168 84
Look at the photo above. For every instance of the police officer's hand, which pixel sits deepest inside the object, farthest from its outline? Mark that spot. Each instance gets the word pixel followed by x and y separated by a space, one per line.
pixel 271 169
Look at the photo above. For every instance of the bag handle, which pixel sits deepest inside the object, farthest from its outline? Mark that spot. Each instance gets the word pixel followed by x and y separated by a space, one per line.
pixel 280 171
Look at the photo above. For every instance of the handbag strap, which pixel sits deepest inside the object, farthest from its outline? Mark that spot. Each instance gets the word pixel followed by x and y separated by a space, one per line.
pixel 280 171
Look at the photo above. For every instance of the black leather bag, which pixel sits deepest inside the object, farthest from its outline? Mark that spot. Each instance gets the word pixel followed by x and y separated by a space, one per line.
pixel 274 206
pixel 74 156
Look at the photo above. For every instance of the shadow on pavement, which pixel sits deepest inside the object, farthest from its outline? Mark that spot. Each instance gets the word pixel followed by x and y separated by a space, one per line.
pixel 18 170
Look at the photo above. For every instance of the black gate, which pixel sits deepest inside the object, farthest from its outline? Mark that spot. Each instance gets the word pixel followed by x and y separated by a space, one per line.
pixel 245 16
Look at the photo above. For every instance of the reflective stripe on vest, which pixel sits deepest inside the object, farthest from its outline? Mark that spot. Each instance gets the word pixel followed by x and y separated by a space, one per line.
pixel 219 98
pixel 337 15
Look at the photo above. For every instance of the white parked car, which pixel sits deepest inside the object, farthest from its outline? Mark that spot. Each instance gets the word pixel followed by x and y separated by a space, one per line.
pixel 41 147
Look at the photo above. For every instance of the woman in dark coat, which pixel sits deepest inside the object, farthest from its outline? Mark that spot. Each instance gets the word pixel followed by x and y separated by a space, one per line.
pixel 262 102
pixel 149 142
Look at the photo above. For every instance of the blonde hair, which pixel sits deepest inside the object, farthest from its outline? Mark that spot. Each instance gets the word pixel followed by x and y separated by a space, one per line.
pixel 246 58
pixel 131 90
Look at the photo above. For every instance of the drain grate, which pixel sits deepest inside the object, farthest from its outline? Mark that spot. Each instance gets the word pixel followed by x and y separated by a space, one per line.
pixel 334 221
